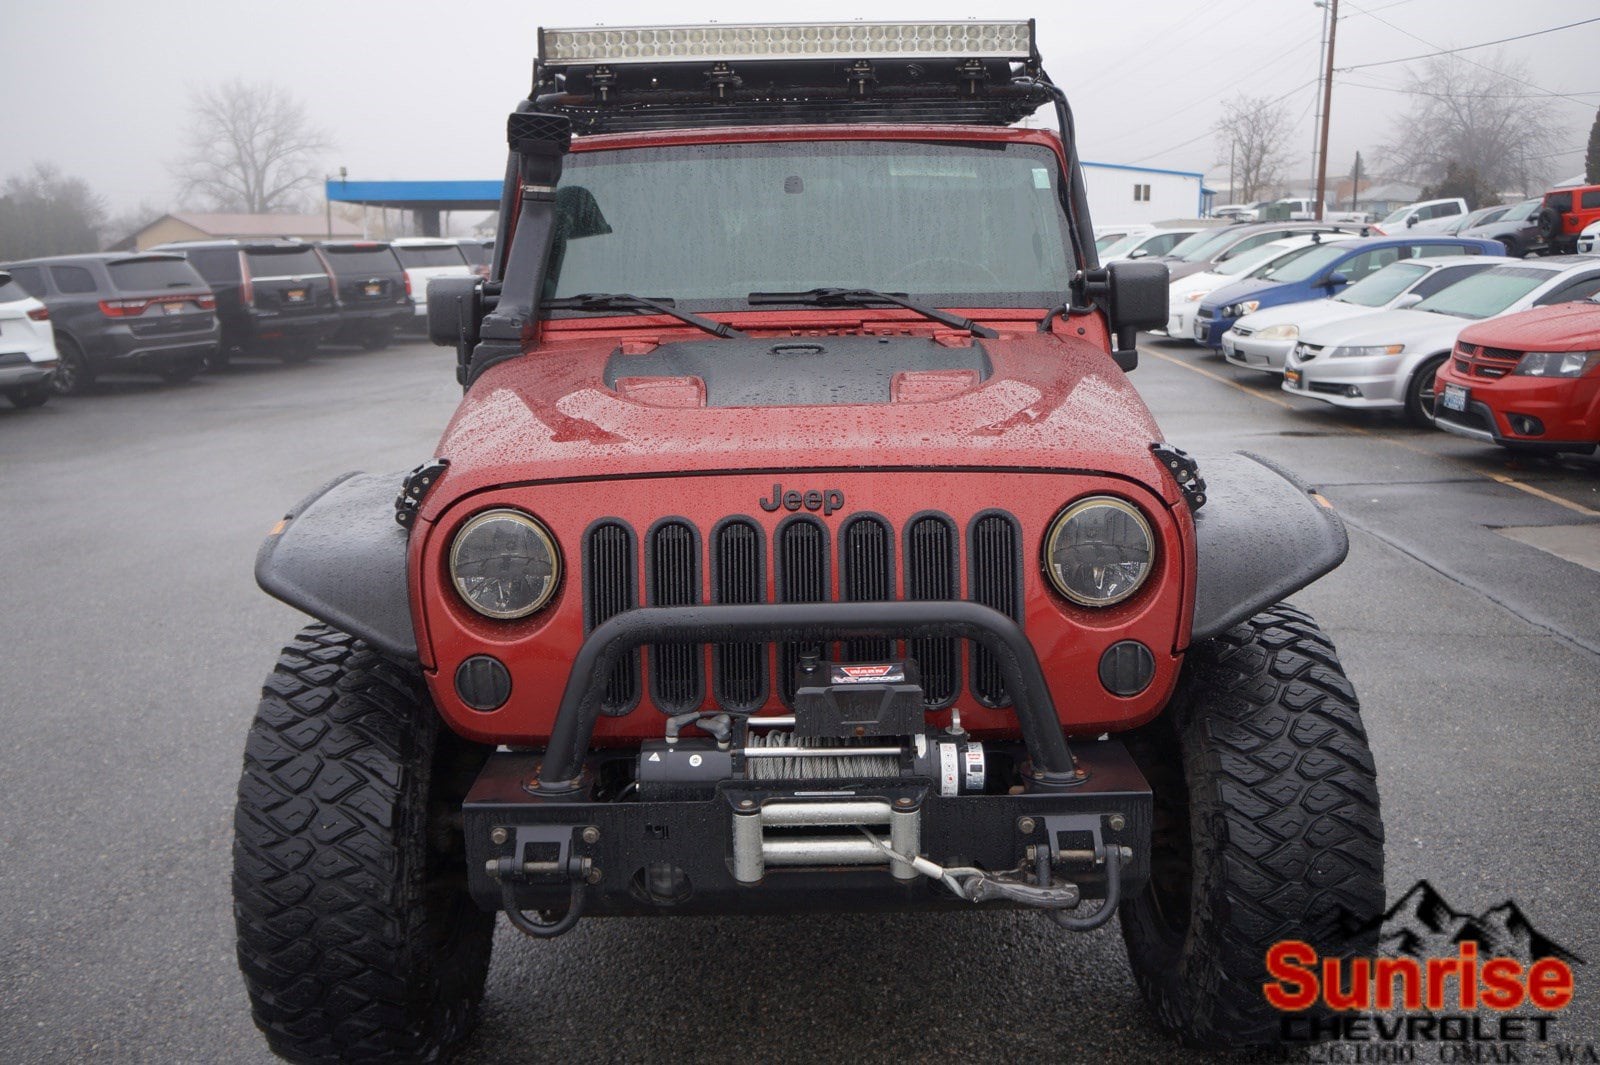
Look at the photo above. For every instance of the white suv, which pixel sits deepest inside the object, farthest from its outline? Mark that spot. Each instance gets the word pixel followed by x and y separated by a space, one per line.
pixel 27 346
pixel 425 258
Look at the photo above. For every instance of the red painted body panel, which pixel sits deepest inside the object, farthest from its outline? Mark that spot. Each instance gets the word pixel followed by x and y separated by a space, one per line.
pixel 1568 407
pixel 1055 421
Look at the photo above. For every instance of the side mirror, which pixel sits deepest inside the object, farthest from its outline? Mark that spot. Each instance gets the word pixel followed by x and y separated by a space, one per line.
pixel 1410 299
pixel 1337 280
pixel 455 317
pixel 1134 296
pixel 1411 220
pixel 1138 253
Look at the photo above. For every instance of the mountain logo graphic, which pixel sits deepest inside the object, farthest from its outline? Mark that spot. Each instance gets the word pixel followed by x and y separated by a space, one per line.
pixel 1423 925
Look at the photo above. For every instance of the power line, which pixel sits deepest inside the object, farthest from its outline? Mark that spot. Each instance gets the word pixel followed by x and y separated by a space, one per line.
pixel 1463 48
pixel 1480 96
pixel 1212 132
pixel 1472 62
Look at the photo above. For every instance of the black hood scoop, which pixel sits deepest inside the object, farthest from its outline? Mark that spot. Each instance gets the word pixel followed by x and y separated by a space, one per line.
pixel 798 371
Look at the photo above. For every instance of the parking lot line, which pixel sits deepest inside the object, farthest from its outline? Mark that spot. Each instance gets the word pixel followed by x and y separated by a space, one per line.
pixel 1356 430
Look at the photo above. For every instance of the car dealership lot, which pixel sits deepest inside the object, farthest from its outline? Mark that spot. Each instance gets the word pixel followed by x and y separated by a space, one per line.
pixel 135 642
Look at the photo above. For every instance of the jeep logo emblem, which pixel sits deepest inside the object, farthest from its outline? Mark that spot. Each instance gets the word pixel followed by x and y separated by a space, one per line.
pixel 828 500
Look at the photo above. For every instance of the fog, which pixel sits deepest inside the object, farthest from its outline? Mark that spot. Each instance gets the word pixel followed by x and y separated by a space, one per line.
pixel 419 90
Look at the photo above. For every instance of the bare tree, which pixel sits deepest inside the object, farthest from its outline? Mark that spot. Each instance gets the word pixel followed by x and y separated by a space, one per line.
pixel 252 148
pixel 1480 115
pixel 45 212
pixel 1253 131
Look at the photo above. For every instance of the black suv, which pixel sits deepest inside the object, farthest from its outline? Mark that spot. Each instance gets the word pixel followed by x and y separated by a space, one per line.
pixel 145 312
pixel 273 297
pixel 374 293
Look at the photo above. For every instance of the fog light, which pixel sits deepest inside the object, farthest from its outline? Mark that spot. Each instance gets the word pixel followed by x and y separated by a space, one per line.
pixel 1127 668
pixel 1352 392
pixel 1526 425
pixel 483 683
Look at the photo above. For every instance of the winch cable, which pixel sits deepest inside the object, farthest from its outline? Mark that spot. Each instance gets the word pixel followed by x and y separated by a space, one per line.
pixel 976 885
pixel 815 767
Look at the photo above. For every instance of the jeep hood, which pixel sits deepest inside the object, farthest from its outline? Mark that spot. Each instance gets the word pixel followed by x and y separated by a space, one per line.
pixel 599 408
pixel 1562 327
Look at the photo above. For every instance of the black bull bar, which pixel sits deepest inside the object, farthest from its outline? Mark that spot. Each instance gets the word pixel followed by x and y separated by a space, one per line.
pixel 1053 765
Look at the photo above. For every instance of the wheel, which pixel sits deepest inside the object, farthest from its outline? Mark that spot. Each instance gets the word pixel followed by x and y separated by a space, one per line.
pixel 34 395
pixel 179 372
pixel 293 354
pixel 1266 828
pixel 1549 224
pixel 356 935
pixel 377 338
pixel 1420 392
pixel 73 374
pixel 1513 247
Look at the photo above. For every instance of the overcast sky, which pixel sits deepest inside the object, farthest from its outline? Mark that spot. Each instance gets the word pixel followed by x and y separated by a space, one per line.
pixel 412 89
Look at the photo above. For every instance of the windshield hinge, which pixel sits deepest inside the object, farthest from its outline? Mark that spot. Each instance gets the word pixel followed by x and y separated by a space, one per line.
pixel 414 488
pixel 1185 471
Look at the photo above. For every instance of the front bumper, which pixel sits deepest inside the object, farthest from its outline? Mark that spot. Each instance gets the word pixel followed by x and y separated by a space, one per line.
pixel 694 856
pixel 1254 353
pixel 1376 381
pixel 1180 320
pixel 1568 410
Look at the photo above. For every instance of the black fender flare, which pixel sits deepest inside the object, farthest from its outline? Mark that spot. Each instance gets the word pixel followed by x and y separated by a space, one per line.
pixel 1261 535
pixel 340 556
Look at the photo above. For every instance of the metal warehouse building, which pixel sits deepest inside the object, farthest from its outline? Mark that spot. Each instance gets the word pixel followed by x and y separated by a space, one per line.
pixel 1122 194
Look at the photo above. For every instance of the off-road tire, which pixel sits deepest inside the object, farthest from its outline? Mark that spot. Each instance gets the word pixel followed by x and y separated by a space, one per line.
pixel 1266 828
pixel 1420 392
pixel 1549 224
pixel 25 396
pixel 356 935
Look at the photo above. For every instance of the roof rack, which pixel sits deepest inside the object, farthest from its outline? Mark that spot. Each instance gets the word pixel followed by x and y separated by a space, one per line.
pixel 626 79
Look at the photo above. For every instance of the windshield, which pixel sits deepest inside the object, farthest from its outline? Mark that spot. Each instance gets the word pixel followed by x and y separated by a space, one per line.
pixel 1486 294
pixel 1200 246
pixel 1381 286
pixel 1125 245
pixel 1304 263
pixel 1247 261
pixel 1104 242
pixel 709 224
pixel 1522 211
pixel 1396 215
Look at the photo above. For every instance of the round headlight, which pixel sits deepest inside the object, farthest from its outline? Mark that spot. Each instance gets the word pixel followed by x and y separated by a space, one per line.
pixel 1098 551
pixel 504 564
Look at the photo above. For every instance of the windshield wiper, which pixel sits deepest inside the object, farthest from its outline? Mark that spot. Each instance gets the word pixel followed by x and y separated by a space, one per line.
pixel 862 297
pixel 621 301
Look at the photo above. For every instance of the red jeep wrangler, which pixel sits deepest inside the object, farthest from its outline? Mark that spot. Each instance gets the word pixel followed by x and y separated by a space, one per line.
pixel 1565 214
pixel 800 544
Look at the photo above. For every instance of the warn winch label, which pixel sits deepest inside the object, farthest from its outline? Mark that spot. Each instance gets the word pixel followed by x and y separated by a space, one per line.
pixel 885 673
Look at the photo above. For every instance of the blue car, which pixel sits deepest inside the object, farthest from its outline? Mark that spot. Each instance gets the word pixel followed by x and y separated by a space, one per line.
pixel 1319 270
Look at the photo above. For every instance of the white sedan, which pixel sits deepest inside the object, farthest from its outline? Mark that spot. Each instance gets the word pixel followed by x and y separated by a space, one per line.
pixel 1184 295
pixel 1263 341
pixel 1388 360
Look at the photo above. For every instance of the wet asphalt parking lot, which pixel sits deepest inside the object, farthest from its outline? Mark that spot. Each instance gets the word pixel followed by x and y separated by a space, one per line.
pixel 134 642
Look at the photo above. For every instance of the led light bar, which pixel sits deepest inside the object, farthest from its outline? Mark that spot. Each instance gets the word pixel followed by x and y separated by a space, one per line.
pixel 810 40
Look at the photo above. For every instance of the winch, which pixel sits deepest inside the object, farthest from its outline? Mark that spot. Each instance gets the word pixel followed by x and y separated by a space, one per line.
pixel 851 721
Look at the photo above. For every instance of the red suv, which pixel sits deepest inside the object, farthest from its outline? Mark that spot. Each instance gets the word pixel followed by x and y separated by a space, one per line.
pixel 1565 213
pixel 1528 381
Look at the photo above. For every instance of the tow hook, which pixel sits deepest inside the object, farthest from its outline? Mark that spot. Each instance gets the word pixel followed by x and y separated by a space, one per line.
pixel 1046 856
pixel 513 869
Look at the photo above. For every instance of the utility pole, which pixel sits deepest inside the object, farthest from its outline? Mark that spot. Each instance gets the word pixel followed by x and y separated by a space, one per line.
pixel 1327 106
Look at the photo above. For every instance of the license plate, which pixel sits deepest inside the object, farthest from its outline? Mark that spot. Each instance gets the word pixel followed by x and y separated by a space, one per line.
pixel 172 308
pixel 373 288
pixel 1454 398
pixel 295 295
pixel 1293 377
